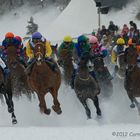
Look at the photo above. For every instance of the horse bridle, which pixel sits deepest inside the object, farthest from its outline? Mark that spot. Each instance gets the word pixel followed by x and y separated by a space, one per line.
pixel 39 52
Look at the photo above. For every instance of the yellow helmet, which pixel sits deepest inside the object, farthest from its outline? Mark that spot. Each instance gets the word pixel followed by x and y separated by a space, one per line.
pixel 120 41
pixel 67 39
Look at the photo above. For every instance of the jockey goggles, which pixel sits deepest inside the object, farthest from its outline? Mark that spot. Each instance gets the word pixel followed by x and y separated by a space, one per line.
pixel 67 43
pixel 82 43
pixel 93 44
pixel 8 39
pixel 36 40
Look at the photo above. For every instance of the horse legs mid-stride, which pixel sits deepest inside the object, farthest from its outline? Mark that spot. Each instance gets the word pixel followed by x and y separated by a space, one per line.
pixel 96 103
pixel 7 92
pixel 44 79
pixel 85 85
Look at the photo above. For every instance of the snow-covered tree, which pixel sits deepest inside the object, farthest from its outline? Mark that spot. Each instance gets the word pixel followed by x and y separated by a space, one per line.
pixel 32 27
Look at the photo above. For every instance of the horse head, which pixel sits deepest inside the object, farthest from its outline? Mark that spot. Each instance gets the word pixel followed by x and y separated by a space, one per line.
pixel 12 58
pixel 39 52
pixel 86 61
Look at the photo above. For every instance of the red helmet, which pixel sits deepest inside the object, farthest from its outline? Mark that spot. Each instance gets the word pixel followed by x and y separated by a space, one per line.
pixel 9 35
pixel 18 38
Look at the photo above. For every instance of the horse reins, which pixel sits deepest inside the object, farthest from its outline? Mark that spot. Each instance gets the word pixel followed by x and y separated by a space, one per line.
pixel 84 79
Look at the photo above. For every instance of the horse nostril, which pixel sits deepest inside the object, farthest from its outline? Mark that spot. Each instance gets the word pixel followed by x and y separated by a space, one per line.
pixel 90 67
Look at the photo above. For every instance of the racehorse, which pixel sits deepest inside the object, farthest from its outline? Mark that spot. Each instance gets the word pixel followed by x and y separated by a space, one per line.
pixel 85 85
pixel 103 77
pixel 6 91
pixel 66 61
pixel 43 79
pixel 18 76
pixel 132 78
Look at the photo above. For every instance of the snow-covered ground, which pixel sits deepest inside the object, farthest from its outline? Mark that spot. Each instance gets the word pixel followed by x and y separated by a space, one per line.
pixel 79 17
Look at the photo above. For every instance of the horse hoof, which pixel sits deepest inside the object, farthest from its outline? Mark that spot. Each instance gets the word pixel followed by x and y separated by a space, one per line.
pixel 88 117
pixel 57 110
pixel 99 113
pixel 47 111
pixel 14 121
pixel 132 106
pixel 10 110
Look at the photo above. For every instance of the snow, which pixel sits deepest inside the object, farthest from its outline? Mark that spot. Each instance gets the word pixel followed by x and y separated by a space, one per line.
pixel 79 17
pixel 130 132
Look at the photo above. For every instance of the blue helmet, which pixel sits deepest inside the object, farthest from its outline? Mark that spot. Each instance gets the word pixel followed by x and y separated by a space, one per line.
pixel 36 35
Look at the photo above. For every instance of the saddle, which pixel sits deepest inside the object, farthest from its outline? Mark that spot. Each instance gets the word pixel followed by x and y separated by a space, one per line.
pixel 50 63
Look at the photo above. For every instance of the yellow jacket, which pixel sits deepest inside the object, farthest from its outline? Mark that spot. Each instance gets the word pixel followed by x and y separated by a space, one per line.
pixel 30 53
pixel 113 57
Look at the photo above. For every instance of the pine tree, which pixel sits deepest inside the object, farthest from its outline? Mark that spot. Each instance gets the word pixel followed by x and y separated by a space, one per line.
pixel 31 28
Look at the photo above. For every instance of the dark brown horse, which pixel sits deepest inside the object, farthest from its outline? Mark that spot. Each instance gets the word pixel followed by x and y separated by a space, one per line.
pixel 86 87
pixel 6 91
pixel 43 80
pixel 66 61
pixel 103 76
pixel 132 78
pixel 18 76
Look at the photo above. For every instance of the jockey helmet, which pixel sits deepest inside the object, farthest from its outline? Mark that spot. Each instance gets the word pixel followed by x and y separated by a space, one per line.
pixel 18 38
pixel 120 41
pixel 36 35
pixel 131 41
pixel 67 39
pixel 9 35
pixel 93 39
pixel 82 38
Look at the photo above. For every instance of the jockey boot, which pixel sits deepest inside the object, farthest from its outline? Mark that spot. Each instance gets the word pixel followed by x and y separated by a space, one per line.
pixel 107 74
pixel 23 63
pixel 115 71
pixel 6 73
pixel 51 64
pixel 29 68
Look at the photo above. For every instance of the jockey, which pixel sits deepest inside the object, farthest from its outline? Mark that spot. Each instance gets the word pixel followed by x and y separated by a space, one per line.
pixel 8 41
pixel 66 44
pixel 2 63
pixel 81 47
pixel 36 38
pixel 20 51
pixel 98 50
pixel 118 49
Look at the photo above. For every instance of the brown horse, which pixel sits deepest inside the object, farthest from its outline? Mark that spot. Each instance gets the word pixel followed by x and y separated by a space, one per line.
pixel 132 77
pixel 66 60
pixel 43 80
pixel 86 87
pixel 6 91
pixel 103 77
pixel 18 76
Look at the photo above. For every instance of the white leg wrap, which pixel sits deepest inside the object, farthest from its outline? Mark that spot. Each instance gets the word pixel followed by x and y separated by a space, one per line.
pixel 2 64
